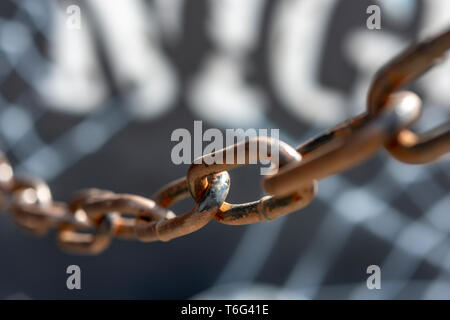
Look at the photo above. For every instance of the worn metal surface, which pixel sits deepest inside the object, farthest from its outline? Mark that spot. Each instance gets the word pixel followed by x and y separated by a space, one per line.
pixel 177 226
pixel 266 208
pixel 347 144
pixel 88 223
pixel 407 67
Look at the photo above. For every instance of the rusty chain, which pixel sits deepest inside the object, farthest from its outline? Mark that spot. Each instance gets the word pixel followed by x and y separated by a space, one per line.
pixel 88 223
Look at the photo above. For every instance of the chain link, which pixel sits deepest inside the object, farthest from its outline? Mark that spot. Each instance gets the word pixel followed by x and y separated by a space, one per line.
pixel 92 218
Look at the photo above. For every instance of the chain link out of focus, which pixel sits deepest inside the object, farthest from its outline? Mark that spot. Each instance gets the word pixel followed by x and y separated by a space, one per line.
pixel 88 223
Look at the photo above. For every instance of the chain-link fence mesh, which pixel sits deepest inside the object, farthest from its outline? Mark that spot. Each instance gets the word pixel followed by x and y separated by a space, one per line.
pixel 95 107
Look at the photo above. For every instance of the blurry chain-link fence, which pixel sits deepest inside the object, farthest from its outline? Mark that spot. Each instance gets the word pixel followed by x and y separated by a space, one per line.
pixel 95 107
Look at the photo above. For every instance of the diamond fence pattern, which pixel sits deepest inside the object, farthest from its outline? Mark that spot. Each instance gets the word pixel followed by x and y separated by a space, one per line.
pixel 381 212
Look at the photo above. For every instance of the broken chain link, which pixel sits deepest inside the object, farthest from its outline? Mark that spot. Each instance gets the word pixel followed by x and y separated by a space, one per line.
pixel 88 223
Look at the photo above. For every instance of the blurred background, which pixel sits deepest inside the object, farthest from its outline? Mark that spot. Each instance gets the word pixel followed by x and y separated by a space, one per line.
pixel 95 107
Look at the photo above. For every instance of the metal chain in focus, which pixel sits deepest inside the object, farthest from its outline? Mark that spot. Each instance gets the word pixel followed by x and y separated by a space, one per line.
pixel 92 218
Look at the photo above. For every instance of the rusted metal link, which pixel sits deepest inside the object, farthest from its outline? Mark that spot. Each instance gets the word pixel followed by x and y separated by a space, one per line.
pixel 172 192
pixel 266 208
pixel 6 174
pixel 31 204
pixel 346 145
pixel 204 211
pixel 408 66
pixel 420 148
pixel 98 206
pixel 30 200
pixel 74 241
